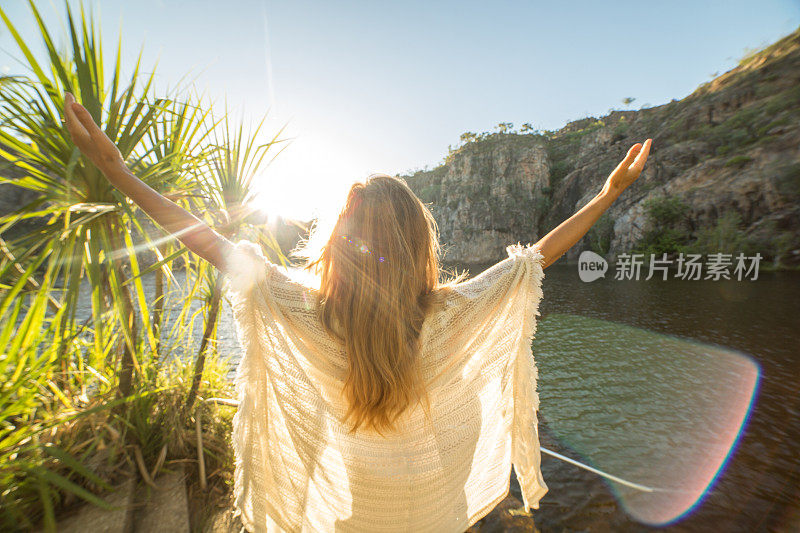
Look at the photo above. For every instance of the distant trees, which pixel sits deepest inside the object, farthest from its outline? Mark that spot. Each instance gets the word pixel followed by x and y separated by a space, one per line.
pixel 502 128
pixel 468 137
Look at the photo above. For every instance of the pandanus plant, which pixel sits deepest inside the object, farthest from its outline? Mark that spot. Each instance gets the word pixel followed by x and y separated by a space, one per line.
pixel 85 235
pixel 33 468
pixel 228 184
pixel 89 225
pixel 54 374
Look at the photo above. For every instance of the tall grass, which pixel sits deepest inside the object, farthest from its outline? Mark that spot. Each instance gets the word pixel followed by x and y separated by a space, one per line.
pixel 82 402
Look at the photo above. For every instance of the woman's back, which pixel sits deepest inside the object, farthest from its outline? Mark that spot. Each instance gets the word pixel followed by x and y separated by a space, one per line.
pixel 296 462
pixel 299 467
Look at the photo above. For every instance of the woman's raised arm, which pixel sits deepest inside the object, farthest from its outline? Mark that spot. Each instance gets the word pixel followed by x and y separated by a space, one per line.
pixel 96 146
pixel 557 242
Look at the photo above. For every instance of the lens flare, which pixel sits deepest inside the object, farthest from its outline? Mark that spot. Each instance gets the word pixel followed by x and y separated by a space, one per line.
pixel 653 409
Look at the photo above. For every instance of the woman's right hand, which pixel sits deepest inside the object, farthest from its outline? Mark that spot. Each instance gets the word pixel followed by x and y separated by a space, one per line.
pixel 629 169
pixel 89 138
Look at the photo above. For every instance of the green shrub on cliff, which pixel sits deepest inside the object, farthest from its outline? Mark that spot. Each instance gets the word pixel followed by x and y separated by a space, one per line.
pixel 723 237
pixel 787 179
pixel 559 169
pixel 738 161
pixel 780 247
pixel 429 193
pixel 621 129
pixel 601 234
pixel 667 226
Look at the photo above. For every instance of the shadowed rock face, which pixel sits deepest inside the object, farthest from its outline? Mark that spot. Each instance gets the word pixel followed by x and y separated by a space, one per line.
pixel 13 198
pixel 485 200
pixel 733 145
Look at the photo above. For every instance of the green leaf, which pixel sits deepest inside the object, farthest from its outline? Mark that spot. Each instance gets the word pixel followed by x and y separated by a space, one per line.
pixel 74 465
pixel 70 487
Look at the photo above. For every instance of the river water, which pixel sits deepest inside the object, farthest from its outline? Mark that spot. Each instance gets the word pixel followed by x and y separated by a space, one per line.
pixel 651 381
pixel 688 387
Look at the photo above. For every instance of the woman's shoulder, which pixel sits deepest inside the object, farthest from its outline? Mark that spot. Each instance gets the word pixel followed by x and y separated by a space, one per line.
pixel 474 285
pixel 294 287
pixel 490 283
pixel 248 266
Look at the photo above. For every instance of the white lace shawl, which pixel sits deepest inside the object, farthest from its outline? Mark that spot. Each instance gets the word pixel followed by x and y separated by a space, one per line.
pixel 297 468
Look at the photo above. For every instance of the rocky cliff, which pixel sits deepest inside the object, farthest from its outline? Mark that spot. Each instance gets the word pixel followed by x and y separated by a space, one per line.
pixel 725 158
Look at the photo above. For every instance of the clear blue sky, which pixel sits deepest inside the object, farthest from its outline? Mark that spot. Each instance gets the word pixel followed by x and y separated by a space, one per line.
pixel 386 86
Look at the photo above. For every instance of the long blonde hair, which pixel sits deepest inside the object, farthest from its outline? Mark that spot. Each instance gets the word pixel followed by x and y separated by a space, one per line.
pixel 380 274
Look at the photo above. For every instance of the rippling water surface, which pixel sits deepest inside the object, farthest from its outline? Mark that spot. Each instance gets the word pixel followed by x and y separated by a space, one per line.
pixel 651 381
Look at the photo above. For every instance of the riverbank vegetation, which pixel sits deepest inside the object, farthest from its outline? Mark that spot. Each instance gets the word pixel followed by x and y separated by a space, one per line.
pixel 670 230
pixel 87 400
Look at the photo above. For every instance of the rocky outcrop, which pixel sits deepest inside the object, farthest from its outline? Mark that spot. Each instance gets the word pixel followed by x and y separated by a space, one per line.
pixel 482 201
pixel 732 146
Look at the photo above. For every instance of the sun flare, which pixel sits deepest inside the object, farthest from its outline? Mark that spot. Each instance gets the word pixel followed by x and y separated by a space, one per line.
pixel 309 178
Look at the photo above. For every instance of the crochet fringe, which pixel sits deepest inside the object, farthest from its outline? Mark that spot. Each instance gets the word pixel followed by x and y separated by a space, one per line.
pixel 245 332
pixel 245 279
pixel 526 449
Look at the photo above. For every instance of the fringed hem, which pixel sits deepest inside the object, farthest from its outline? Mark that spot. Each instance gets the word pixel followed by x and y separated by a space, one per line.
pixel 247 271
pixel 527 454
pixel 516 250
pixel 245 327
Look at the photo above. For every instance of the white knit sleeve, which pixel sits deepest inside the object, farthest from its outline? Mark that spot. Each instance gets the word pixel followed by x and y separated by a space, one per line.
pixel 246 267
pixel 250 277
pixel 526 452
pixel 532 256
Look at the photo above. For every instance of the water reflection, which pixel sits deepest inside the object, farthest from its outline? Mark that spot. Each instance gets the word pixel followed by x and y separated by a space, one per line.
pixel 654 409
pixel 759 487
